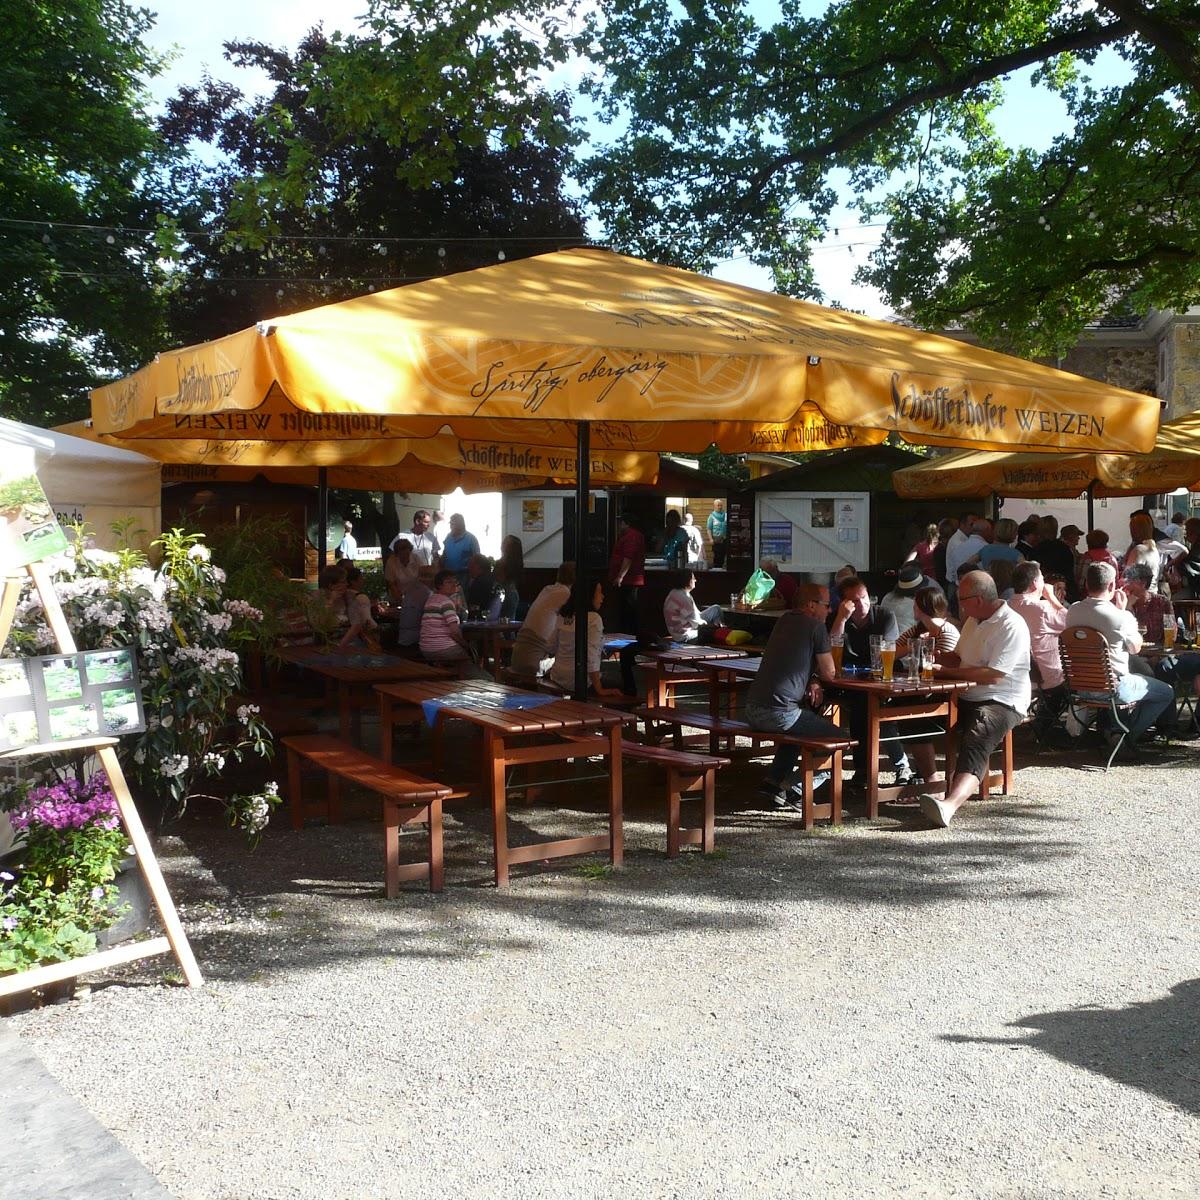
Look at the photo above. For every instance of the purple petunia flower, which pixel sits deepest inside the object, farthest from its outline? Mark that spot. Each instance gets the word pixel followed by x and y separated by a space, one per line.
pixel 9 923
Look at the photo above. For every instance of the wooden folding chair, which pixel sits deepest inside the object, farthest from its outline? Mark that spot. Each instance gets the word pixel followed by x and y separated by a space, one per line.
pixel 1091 678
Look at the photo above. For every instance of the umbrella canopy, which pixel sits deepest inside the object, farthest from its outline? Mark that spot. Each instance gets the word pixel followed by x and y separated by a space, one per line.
pixel 649 356
pixel 1174 463
pixel 390 464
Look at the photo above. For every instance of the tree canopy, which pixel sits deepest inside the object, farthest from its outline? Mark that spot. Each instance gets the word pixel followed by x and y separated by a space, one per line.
pixel 76 300
pixel 307 195
pixel 727 132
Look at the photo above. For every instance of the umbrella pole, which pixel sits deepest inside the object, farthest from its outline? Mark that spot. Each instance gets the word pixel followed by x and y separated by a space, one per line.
pixel 322 518
pixel 583 601
pixel 1091 509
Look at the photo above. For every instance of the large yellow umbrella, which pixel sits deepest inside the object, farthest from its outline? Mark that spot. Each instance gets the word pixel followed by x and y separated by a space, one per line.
pixel 390 457
pixel 649 356
pixel 584 347
pixel 1173 463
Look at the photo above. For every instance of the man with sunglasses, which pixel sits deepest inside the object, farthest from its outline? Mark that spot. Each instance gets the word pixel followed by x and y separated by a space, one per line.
pixel 993 653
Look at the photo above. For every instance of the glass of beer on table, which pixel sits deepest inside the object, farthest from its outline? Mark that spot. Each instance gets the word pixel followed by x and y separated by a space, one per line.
pixel 876 656
pixel 887 655
pixel 1169 631
pixel 837 647
pixel 926 650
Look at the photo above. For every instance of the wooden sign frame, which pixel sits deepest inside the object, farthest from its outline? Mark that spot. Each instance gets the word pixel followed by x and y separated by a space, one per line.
pixel 175 941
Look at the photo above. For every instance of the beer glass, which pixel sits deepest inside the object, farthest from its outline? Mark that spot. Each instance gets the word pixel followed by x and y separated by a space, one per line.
pixel 927 653
pixel 837 647
pixel 877 656
pixel 887 655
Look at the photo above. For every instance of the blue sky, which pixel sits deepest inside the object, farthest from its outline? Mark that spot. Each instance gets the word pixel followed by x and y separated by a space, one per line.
pixel 194 33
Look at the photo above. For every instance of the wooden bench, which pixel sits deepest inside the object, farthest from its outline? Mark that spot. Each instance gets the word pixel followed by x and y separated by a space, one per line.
pixel 687 773
pixel 816 753
pixel 407 799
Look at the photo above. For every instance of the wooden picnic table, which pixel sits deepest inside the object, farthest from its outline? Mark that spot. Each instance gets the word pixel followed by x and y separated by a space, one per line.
pixel 576 731
pixel 353 675
pixel 900 701
pixel 682 664
pixel 490 635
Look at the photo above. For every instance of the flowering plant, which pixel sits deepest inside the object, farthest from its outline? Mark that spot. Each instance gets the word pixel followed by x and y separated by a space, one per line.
pixel 57 891
pixel 186 633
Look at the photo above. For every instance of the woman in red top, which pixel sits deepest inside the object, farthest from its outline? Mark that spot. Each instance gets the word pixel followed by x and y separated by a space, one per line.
pixel 923 551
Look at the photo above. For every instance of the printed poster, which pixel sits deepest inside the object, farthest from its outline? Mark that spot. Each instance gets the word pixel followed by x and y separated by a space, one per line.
pixel 822 514
pixel 533 516
pixel 775 540
pixel 28 529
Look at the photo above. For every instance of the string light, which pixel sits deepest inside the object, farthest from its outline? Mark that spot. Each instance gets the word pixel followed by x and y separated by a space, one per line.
pixel 320 238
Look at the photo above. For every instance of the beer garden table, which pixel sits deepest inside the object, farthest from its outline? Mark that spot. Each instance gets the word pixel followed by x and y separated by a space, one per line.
pixel 508 717
pixel 490 634
pixel 352 673
pixel 928 699
pixel 670 667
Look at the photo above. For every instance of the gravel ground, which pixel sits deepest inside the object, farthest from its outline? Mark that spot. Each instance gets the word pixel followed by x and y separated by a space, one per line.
pixel 1007 1008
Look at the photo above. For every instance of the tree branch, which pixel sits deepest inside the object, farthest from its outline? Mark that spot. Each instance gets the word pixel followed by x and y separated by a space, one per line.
pixel 1166 37
pixel 977 73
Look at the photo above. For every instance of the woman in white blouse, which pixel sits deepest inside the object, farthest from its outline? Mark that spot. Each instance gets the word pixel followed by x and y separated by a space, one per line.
pixel 563 671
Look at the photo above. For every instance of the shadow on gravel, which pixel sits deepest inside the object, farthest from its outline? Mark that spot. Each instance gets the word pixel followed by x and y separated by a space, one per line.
pixel 1153 1046
pixel 313 898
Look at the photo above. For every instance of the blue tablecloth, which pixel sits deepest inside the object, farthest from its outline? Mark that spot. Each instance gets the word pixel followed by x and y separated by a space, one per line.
pixel 472 698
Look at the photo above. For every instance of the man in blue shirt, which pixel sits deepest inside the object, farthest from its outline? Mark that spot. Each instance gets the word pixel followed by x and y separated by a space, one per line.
pixel 459 549
pixel 717 530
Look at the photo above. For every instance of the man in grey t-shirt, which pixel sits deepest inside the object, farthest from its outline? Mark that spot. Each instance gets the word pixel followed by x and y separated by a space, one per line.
pixel 784 683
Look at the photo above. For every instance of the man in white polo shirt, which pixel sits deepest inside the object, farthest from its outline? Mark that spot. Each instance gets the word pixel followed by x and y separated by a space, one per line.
pixel 1104 608
pixel 993 653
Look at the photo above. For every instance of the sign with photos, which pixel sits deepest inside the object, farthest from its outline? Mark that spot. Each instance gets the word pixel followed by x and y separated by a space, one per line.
pixel 68 697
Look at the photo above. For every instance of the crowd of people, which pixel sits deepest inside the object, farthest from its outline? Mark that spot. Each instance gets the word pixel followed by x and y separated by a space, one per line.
pixel 990 602
pixel 986 602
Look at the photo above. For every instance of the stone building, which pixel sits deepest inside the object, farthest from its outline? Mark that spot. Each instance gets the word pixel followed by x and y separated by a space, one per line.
pixel 1158 353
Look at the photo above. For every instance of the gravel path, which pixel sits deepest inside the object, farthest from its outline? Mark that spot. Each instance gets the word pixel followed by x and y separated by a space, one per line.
pixel 1008 1008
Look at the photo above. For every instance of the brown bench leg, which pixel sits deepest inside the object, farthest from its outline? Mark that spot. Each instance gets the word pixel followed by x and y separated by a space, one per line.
pixel 806 765
pixel 295 796
pixel 673 798
pixel 437 868
pixel 334 801
pixel 835 794
pixel 708 836
pixel 394 818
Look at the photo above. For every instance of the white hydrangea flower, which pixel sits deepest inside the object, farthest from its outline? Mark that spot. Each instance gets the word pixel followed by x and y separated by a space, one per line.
pixel 173 765
pixel 199 553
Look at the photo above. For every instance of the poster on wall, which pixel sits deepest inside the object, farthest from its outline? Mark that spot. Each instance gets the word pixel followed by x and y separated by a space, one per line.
pixel 29 531
pixel 821 514
pixel 775 539
pixel 533 516
pixel 66 697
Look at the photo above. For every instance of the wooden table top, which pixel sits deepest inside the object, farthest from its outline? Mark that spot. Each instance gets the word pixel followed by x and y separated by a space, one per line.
pixel 480 702
pixel 897 687
pixel 361 667
pixel 691 654
pixel 746 667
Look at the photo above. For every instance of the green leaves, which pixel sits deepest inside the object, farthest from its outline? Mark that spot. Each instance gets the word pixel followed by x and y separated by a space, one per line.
pixel 75 148
pixel 727 131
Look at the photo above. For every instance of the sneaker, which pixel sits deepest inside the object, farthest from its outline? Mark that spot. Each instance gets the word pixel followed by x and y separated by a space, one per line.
pixel 773 795
pixel 796 791
pixel 938 811
pixel 905 777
